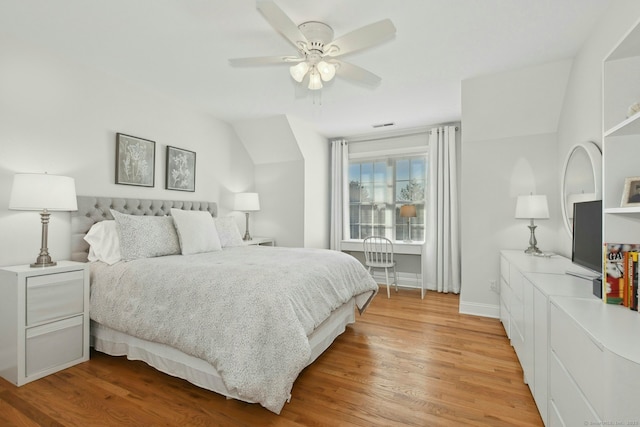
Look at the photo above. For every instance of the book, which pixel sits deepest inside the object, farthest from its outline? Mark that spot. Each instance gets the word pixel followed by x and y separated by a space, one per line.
pixel 615 272
pixel 628 268
pixel 634 282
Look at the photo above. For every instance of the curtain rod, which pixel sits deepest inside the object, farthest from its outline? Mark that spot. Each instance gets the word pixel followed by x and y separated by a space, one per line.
pixel 391 134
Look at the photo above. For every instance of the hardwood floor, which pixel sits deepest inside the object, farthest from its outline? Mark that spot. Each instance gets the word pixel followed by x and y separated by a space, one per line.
pixel 405 362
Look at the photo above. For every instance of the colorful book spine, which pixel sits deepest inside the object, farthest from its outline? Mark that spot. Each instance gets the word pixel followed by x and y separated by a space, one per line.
pixel 616 290
pixel 634 280
pixel 628 278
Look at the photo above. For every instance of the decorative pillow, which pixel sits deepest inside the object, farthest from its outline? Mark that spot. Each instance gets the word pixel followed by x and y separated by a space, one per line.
pixel 228 232
pixel 196 231
pixel 146 236
pixel 104 244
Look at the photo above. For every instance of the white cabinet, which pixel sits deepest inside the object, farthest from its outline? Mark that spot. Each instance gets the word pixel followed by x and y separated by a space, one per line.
pixel 595 362
pixel 263 241
pixel 44 320
pixel 530 281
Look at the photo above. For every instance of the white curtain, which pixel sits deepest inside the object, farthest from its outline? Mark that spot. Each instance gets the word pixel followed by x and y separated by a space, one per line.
pixel 339 191
pixel 441 262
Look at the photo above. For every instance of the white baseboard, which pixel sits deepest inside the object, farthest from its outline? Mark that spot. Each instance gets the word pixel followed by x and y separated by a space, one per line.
pixel 478 309
pixel 405 280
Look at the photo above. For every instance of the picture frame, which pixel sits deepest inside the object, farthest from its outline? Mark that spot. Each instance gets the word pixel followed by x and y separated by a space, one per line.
pixel 181 169
pixel 135 161
pixel 631 192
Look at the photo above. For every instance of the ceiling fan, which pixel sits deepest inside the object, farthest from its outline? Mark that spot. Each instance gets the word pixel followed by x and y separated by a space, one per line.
pixel 316 61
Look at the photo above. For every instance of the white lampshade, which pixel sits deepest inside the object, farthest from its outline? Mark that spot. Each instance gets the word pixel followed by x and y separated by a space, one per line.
pixel 247 202
pixel 327 70
pixel 315 82
pixel 37 192
pixel 298 71
pixel 532 207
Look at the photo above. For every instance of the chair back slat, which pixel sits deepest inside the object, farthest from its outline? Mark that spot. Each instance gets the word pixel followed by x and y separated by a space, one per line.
pixel 378 250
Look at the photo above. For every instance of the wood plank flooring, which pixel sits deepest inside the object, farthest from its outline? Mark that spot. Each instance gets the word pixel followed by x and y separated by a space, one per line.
pixel 405 362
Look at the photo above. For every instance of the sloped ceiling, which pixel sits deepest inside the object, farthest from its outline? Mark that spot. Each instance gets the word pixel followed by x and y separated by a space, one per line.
pixel 181 48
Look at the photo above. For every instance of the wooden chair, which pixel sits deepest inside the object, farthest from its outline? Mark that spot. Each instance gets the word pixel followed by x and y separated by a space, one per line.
pixel 378 253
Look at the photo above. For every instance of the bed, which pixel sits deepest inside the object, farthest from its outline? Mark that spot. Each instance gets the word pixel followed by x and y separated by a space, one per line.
pixel 236 321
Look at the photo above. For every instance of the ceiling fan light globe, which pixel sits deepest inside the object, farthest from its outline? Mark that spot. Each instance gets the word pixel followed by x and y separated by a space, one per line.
pixel 298 71
pixel 315 82
pixel 327 70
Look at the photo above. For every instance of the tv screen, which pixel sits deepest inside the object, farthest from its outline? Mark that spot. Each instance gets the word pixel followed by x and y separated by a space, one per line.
pixel 587 235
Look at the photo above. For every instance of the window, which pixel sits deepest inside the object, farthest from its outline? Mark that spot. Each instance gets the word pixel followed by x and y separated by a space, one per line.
pixel 377 190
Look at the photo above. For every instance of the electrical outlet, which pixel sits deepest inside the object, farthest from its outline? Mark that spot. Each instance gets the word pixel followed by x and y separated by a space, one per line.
pixel 493 285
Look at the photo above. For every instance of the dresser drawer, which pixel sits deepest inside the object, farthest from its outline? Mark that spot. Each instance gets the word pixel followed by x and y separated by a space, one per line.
pixel 504 268
pixel 569 404
pixel 54 344
pixel 505 318
pixel 516 280
pixel 579 354
pixel 54 296
pixel 554 417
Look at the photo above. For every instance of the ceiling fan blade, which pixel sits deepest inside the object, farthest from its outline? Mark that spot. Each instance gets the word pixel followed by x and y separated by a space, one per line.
pixel 357 74
pixel 361 38
pixel 282 23
pixel 263 60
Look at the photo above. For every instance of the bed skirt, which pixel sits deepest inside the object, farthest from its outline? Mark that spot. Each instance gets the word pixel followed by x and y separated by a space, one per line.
pixel 197 371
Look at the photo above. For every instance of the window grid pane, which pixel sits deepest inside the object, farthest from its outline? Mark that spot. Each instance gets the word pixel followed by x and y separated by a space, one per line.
pixel 377 190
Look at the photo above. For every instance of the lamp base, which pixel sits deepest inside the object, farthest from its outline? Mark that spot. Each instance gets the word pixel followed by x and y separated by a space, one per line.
pixel 533 248
pixel 43 261
pixel 246 236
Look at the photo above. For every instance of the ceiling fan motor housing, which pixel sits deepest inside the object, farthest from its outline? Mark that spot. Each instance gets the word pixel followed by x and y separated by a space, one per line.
pixel 318 34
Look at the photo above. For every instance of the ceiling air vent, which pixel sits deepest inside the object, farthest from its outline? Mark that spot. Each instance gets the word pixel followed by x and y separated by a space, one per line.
pixel 383 125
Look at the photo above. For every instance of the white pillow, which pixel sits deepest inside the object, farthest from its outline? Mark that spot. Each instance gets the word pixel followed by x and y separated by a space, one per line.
pixel 144 236
pixel 196 231
pixel 228 232
pixel 103 241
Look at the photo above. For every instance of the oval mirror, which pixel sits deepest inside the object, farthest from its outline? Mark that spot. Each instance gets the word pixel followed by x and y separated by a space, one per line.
pixel 581 179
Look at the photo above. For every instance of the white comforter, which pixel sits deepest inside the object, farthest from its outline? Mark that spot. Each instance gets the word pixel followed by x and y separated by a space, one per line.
pixel 246 310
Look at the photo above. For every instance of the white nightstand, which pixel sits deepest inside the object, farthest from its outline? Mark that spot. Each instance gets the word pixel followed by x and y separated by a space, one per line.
pixel 44 320
pixel 265 241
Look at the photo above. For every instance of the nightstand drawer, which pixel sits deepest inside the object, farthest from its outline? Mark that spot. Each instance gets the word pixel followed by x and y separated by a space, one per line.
pixel 53 344
pixel 54 296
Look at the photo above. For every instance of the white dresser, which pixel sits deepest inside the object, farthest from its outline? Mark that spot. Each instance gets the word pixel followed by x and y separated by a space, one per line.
pixel 580 357
pixel 44 320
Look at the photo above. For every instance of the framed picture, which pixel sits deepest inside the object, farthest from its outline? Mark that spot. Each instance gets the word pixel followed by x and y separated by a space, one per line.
pixel 135 161
pixel 181 169
pixel 631 193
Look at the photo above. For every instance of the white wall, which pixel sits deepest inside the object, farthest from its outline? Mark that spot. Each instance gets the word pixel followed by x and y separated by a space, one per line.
pixel 317 180
pixel 292 178
pixel 509 140
pixel 59 117
pixel 282 193
pixel 581 116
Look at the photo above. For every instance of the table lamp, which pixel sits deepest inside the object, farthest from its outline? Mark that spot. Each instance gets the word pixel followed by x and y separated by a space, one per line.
pixel 247 202
pixel 532 207
pixel 408 211
pixel 45 193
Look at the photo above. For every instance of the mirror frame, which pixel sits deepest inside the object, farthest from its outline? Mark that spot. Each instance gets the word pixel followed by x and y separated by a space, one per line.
pixel 595 157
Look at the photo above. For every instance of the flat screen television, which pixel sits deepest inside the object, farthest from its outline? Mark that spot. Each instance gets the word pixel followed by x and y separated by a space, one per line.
pixel 587 248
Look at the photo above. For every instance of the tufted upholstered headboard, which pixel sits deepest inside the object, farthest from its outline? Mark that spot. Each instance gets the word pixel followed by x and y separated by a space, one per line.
pixel 95 209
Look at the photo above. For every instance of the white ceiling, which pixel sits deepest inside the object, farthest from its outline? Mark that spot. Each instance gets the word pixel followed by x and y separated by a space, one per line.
pixel 182 47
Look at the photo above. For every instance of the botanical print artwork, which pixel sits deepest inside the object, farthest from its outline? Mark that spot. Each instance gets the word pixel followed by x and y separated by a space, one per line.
pixel 135 158
pixel 180 173
pixel 181 169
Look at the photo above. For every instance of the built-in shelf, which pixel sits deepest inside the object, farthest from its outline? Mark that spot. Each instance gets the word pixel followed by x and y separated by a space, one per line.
pixel 630 210
pixel 631 126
